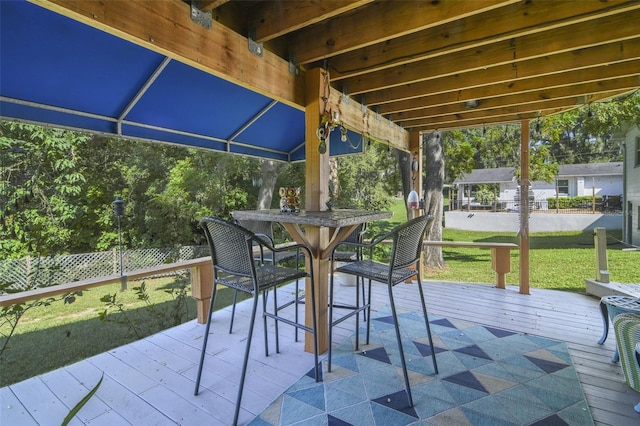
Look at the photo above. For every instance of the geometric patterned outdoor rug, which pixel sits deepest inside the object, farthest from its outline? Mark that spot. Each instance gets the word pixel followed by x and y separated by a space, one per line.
pixel 487 376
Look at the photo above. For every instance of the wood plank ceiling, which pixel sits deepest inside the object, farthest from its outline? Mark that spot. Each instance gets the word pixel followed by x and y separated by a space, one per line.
pixel 429 65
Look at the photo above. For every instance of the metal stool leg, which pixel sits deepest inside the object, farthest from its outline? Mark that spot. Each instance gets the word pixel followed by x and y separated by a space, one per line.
pixel 605 322
pixel 407 385
pixel 426 320
pixel 246 359
pixel 205 339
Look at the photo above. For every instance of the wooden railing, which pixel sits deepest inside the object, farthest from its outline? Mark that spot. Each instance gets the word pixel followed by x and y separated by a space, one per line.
pixel 201 276
pixel 201 281
pixel 500 255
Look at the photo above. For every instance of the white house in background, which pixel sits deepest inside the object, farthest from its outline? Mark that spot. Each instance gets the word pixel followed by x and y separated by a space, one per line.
pixel 631 190
pixel 600 179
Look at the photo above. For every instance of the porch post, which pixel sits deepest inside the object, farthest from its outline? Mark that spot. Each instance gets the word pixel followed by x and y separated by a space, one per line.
pixel 523 233
pixel 415 147
pixel 316 196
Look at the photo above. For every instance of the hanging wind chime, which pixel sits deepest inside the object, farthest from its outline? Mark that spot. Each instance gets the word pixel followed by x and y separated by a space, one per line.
pixel 413 200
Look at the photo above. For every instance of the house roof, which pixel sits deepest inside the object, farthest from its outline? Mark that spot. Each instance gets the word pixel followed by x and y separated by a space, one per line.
pixel 591 169
pixel 507 174
pixel 497 175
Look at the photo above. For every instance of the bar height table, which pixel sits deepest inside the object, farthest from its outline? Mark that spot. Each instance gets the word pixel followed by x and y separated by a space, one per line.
pixel 323 230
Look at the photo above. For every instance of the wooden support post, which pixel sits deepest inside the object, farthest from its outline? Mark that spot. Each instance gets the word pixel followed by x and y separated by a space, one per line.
pixel 524 212
pixel 415 147
pixel 501 264
pixel 602 264
pixel 316 197
pixel 201 287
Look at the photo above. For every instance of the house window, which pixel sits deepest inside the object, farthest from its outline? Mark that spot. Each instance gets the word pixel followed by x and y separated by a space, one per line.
pixel 637 152
pixel 562 187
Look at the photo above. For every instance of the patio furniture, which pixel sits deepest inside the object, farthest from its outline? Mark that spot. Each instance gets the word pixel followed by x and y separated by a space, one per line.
pixel 611 306
pixel 403 264
pixel 353 255
pixel 264 230
pixel 322 231
pixel 234 267
pixel 627 328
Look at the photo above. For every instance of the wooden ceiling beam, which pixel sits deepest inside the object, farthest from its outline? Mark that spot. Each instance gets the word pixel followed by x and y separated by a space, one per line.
pixel 166 27
pixel 509 114
pixel 269 20
pixel 519 99
pixel 358 118
pixel 543 67
pixel 547 44
pixel 371 24
pixel 515 20
pixel 524 86
pixel 209 5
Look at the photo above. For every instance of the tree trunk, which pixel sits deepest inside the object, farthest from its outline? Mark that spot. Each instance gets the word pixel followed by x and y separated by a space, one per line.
pixel 265 193
pixel 433 200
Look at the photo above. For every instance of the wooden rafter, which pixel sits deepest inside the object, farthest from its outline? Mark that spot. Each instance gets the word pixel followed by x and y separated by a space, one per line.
pixel 515 20
pixel 519 87
pixel 508 52
pixel 414 63
pixel 372 24
pixel 274 19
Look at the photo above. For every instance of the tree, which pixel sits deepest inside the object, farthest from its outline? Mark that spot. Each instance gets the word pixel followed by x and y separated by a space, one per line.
pixel 584 135
pixel 433 198
pixel 41 181
pixel 361 182
pixel 269 175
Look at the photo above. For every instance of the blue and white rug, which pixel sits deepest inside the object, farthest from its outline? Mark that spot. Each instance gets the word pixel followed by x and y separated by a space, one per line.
pixel 487 376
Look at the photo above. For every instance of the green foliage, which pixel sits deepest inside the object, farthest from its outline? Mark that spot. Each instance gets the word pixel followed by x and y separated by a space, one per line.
pixel 76 408
pixel 11 315
pixel 70 335
pixel 585 134
pixel 459 153
pixel 582 135
pixel 136 321
pixel 485 195
pixel 57 188
pixel 583 201
pixel 41 183
pixel 362 179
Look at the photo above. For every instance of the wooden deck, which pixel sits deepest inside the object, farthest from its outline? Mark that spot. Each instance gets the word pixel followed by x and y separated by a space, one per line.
pixel 151 381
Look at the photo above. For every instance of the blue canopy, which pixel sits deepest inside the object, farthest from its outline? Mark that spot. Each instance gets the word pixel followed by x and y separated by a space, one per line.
pixel 57 71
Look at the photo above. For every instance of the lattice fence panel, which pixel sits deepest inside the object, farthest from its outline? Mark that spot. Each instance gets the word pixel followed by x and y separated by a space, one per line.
pixel 22 274
pixel 14 273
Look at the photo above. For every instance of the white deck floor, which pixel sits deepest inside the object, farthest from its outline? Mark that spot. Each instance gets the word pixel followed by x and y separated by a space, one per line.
pixel 152 381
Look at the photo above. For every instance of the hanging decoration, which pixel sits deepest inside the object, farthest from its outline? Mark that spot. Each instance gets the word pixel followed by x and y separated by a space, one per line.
pixel 330 119
pixel 326 116
pixel 413 200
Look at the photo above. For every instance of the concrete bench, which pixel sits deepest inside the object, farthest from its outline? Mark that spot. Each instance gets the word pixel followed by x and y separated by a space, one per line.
pixel 500 255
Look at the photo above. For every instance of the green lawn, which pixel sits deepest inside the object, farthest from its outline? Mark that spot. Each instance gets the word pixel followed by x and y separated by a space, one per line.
pixel 558 260
pixel 49 337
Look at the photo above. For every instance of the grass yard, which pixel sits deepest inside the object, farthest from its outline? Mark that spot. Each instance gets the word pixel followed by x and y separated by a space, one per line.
pixel 49 337
pixel 558 261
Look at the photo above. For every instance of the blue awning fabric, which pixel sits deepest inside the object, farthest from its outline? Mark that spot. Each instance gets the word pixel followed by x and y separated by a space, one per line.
pixel 60 72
